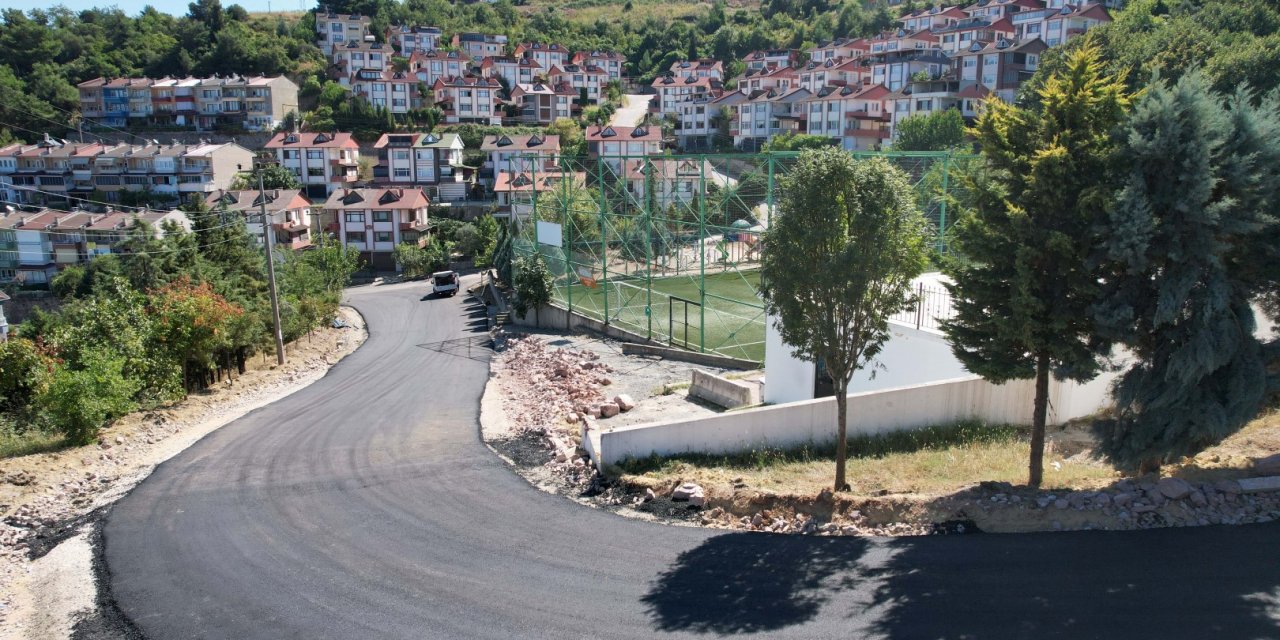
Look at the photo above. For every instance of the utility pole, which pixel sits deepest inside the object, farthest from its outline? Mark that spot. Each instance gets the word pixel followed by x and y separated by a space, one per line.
pixel 269 239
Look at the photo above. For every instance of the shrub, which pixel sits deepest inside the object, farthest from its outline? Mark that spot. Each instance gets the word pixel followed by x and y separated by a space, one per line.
pixel 78 403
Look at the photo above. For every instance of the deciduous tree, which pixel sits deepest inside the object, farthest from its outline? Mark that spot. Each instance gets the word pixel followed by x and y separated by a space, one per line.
pixel 838 261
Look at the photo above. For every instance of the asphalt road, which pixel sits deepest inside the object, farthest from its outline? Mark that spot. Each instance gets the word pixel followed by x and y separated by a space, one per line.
pixel 366 506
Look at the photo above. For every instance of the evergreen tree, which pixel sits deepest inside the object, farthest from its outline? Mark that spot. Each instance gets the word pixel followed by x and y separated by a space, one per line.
pixel 1024 295
pixel 1182 249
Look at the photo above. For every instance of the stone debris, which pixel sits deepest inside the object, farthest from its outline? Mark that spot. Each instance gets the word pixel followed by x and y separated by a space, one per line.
pixel 609 410
pixel 1174 488
pixel 686 491
pixel 1268 466
pixel 624 402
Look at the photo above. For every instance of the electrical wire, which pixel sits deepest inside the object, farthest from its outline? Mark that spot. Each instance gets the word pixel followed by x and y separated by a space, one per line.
pixel 48 119
pixel 99 124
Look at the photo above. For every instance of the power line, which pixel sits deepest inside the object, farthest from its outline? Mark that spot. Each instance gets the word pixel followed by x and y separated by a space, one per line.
pixel 42 254
pixel 62 124
pixel 71 113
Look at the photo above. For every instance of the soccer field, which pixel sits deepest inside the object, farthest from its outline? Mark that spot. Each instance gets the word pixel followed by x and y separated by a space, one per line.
pixel 730 322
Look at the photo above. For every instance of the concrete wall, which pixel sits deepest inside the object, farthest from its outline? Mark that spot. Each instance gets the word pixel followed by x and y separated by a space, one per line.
pixel 555 318
pixel 910 356
pixel 870 412
pixel 726 393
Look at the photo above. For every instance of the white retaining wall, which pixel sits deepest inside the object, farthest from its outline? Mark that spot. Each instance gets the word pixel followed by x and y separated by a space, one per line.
pixel 814 421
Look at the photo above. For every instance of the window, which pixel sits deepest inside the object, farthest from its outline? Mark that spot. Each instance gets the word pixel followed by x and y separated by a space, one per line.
pixel 382 216
pixel 400 154
pixel 356 237
pixel 315 172
pixel 382 236
pixel 290 154
pixel 402 173
pixel 352 216
pixel 315 154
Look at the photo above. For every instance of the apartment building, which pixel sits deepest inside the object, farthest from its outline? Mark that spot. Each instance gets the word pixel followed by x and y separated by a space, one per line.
pixel 588 82
pixel 771 59
pixel 895 68
pixel 426 161
pixel 612 143
pixel 697 122
pixel 845 48
pixel 432 65
pixel 700 68
pixel 517 193
pixel 546 55
pixel 395 91
pixel 469 99
pixel 358 55
pixel 544 103
pixel 675 90
pixel 321 161
pixel 769 113
pixel 933 18
pixel 776 78
pixel 1001 66
pixel 334 30
pixel 613 63
pixel 47 240
pixel 856 116
pixel 479 45
pixel 58 171
pixel 288 210
pixel 514 70
pixel 512 154
pixel 374 221
pixel 410 38
pixel 256 103
pixel 1058 25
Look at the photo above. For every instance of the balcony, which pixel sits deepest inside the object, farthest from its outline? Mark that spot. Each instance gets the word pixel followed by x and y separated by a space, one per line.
pixel 879 134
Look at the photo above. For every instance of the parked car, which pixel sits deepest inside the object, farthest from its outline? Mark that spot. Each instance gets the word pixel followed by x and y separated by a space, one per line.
pixel 444 283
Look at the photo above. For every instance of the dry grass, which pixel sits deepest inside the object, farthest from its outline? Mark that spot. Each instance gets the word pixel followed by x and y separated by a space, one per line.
pixel 14 444
pixel 589 11
pixel 937 462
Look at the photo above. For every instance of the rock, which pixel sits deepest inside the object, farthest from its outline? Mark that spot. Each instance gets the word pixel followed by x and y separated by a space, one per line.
pixel 697 499
pixel 119 439
pixel 609 410
pixel 624 402
pixel 684 491
pixel 649 495
pixel 571 417
pixel 1230 487
pixel 1174 488
pixel 1260 485
pixel 1197 498
pixel 1061 503
pixel 756 520
pixel 1102 499
pixel 1268 466
pixel 594 411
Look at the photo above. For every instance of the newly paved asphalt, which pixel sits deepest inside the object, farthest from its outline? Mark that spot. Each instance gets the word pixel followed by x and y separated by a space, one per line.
pixel 366 506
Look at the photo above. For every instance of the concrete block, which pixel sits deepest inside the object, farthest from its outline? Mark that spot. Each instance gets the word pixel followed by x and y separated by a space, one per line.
pixel 729 394
pixel 1260 485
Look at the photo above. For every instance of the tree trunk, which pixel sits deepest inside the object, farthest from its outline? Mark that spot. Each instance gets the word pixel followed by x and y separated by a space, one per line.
pixel 1038 419
pixel 842 440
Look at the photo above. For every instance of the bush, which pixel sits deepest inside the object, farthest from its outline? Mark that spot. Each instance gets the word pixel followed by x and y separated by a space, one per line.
pixel 78 403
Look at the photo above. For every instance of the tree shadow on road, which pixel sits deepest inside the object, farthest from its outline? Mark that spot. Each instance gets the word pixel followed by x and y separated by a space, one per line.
pixel 1199 582
pixel 750 583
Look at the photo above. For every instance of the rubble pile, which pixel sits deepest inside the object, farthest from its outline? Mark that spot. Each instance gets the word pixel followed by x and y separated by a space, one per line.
pixel 544 385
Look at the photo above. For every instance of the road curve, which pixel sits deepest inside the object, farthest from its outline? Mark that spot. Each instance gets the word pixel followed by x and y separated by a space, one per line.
pixel 366 506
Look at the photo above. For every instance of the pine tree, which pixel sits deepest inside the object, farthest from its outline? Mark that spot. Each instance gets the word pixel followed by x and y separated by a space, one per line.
pixel 1024 294
pixel 1181 249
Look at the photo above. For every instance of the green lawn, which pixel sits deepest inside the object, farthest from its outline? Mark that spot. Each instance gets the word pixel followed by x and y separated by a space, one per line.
pixel 731 323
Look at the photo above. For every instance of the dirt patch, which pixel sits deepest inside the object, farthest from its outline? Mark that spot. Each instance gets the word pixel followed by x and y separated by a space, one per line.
pixel 47 499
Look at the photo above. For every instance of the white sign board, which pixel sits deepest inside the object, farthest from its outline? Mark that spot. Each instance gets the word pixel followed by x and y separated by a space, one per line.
pixel 549 233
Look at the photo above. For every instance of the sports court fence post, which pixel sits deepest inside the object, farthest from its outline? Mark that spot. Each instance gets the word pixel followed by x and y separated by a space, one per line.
pixel 702 256
pixel 604 234
pixel 566 240
pixel 647 212
pixel 942 209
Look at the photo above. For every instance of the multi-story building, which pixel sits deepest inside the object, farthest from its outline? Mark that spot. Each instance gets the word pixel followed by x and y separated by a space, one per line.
pixel 479 45
pixel 1058 25
pixel 934 18
pixel 1001 66
pixel 468 99
pixel 427 161
pixel 588 82
pixel 374 221
pixel 517 193
pixel 395 91
pixel 771 59
pixel 288 209
pixel 48 240
pixel 518 154
pixel 511 69
pixel 895 68
pixel 546 55
pixel 544 103
pixel 410 38
pixel 358 55
pixel 776 78
pixel 961 35
pixel 844 48
pixel 769 113
pixel 612 62
pixel 700 68
pixel 697 122
pixel 207 167
pixel 321 161
pixel 429 66
pixel 614 144
pixel 255 103
pixel 856 116
pixel 674 90
pixel 335 30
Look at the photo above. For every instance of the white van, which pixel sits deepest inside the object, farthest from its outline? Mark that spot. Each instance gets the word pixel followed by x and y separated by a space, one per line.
pixel 444 283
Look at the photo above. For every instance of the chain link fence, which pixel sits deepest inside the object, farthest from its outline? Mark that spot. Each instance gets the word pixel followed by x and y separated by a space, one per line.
pixel 669 246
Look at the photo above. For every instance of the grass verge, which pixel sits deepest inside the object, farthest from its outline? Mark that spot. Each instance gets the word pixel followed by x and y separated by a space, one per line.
pixel 934 460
